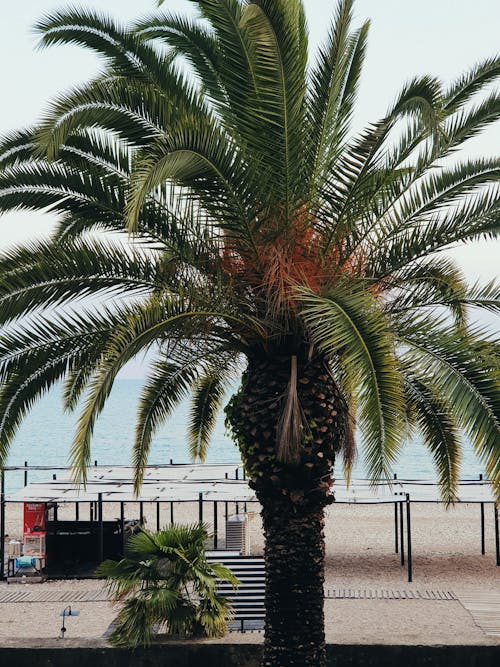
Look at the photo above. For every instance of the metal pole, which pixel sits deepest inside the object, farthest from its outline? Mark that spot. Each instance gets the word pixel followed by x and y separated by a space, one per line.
pixel 157 516
pixel 171 512
pixel 483 550
pixel 396 521
pixel 101 528
pixel 77 511
pixel 200 507
pixel 396 538
pixel 26 473
pixel 401 536
pixel 482 522
pixel 215 525
pixel 2 524
pixel 237 473
pixel 91 511
pixel 122 524
pixel 141 512
pixel 226 511
pixel 408 538
pixel 497 540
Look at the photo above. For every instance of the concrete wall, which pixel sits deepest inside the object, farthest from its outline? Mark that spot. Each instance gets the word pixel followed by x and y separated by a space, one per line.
pixel 247 655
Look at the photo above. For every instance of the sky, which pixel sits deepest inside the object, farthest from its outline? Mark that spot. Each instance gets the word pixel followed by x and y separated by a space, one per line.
pixel 407 38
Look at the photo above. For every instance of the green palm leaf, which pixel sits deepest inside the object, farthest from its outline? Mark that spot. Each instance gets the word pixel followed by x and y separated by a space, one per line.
pixel 347 323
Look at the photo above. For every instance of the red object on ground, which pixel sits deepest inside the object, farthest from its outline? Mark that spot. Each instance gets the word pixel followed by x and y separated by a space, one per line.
pixel 34 518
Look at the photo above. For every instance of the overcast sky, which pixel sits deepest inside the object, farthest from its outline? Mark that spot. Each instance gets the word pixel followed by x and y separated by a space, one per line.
pixel 408 37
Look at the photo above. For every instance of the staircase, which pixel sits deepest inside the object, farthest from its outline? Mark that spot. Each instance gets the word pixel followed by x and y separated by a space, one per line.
pixel 247 600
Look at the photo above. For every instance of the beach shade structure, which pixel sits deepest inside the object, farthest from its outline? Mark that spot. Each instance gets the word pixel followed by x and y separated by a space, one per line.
pixel 91 541
pixel 209 487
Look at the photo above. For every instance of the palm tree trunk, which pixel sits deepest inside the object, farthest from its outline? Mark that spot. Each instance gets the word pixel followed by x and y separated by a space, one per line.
pixel 293 493
pixel 294 557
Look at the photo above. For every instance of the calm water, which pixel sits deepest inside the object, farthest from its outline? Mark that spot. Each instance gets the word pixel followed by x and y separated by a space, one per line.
pixel 46 435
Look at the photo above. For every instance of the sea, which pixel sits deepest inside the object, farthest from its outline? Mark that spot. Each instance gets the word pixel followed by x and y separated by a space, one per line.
pixel 46 434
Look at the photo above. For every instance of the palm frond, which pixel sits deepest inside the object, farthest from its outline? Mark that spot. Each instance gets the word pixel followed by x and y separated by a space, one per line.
pixel 465 370
pixel 50 274
pixel 439 431
pixel 36 355
pixel 348 323
pixel 334 81
pixel 206 402
pixel 470 83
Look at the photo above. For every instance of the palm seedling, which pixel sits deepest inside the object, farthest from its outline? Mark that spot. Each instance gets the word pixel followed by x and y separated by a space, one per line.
pixel 166 583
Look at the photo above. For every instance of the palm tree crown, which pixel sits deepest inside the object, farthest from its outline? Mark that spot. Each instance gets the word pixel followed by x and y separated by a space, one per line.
pixel 260 226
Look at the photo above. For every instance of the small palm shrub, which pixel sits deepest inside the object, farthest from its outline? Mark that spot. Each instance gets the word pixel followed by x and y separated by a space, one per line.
pixel 168 585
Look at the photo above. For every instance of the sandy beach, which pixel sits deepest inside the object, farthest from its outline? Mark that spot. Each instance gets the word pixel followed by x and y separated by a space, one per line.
pixel 360 556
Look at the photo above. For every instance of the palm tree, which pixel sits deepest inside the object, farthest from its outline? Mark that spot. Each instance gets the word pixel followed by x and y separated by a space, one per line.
pixel 166 581
pixel 264 235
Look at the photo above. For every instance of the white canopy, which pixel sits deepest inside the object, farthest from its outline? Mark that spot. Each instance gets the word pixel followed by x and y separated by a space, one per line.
pixel 184 483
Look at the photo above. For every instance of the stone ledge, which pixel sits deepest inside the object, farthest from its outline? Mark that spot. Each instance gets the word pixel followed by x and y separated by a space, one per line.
pixel 47 653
